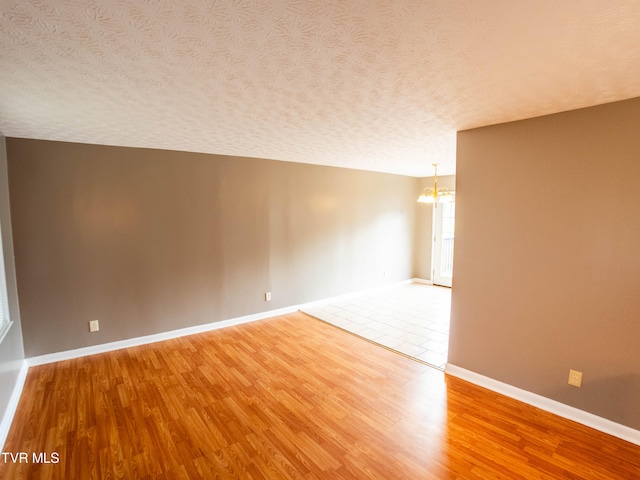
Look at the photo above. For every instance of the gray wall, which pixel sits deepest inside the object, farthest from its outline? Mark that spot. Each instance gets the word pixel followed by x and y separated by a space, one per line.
pixel 148 241
pixel 424 226
pixel 547 269
pixel 11 350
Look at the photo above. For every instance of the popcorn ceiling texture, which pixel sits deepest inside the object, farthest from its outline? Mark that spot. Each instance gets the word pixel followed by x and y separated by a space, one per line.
pixel 370 84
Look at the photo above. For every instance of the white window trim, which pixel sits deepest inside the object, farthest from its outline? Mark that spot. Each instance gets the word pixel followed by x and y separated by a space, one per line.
pixel 4 329
pixel 5 318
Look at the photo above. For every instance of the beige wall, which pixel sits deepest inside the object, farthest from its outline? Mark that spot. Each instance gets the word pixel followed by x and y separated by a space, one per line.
pixel 148 241
pixel 424 226
pixel 547 269
pixel 11 348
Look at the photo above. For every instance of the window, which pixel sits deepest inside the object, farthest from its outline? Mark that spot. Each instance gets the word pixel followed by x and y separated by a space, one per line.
pixel 5 321
pixel 444 226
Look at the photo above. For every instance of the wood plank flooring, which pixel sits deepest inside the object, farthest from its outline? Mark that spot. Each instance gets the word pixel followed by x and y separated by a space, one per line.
pixel 289 398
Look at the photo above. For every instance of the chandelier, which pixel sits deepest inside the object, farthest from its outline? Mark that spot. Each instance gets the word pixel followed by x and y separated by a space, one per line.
pixel 435 194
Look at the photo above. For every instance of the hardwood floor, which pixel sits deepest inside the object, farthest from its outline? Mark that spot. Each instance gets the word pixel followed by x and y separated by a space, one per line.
pixel 292 398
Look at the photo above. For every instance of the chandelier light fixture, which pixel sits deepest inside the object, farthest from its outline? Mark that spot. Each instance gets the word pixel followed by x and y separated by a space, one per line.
pixel 435 194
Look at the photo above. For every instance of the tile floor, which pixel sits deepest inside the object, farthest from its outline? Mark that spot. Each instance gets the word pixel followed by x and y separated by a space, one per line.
pixel 412 319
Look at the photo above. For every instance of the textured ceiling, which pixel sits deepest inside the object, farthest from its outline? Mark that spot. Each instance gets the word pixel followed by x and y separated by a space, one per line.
pixel 370 84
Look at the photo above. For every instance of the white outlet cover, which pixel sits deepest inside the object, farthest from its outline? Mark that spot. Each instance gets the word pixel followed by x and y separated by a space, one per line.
pixel 94 326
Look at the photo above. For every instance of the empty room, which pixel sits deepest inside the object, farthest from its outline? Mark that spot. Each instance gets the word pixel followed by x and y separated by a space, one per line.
pixel 228 251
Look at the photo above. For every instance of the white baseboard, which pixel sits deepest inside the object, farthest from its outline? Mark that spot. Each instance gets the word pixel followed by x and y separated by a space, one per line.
pixel 158 337
pixel 421 280
pixel 347 296
pixel 10 411
pixel 580 416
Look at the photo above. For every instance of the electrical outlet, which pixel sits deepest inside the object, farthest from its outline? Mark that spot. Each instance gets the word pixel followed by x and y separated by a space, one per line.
pixel 575 378
pixel 267 297
pixel 94 326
